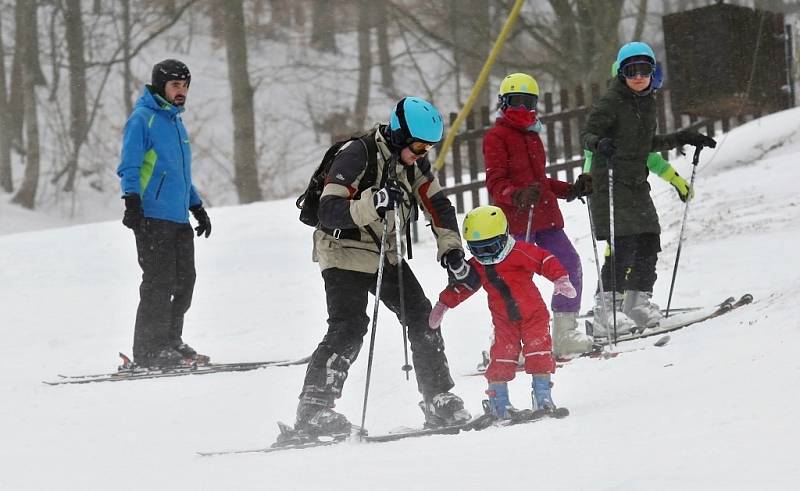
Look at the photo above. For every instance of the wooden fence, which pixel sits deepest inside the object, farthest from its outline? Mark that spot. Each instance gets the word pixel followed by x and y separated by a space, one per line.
pixel 462 174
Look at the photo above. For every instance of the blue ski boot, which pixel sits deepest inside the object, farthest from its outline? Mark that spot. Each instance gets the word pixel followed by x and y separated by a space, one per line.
pixel 498 400
pixel 542 399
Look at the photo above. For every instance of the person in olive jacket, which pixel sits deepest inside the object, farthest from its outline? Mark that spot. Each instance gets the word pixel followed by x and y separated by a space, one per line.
pixel 621 129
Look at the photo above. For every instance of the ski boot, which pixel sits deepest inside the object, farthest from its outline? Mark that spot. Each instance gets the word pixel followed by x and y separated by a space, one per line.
pixel 638 307
pixel 567 340
pixel 444 409
pixel 541 396
pixel 499 405
pixel 165 358
pixel 317 418
pixel 189 353
pixel 603 321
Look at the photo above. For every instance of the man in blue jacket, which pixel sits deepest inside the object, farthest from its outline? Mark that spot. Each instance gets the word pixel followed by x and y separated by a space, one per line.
pixel 156 179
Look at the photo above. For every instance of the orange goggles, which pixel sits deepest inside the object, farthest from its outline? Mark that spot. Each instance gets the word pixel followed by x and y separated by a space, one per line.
pixel 419 147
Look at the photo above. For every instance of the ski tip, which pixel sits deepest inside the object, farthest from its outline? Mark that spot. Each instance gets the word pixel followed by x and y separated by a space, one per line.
pixel 662 341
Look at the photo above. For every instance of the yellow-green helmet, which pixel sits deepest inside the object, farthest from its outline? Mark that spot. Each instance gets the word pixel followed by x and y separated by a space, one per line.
pixel 519 83
pixel 486 232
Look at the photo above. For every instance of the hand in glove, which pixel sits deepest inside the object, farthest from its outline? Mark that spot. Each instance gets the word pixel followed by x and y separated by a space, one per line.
pixel 525 197
pixel 133 211
pixel 695 139
pixel 682 187
pixel 459 271
pixel 203 222
pixel 606 147
pixel 582 187
pixel 564 287
pixel 437 314
pixel 386 199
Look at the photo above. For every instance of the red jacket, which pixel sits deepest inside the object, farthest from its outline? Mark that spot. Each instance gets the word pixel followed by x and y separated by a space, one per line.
pixel 515 158
pixel 512 294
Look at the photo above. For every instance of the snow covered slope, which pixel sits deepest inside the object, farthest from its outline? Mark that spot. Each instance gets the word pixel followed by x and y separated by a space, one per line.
pixel 715 409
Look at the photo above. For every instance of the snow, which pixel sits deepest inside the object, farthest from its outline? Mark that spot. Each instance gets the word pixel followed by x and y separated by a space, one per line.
pixel 714 409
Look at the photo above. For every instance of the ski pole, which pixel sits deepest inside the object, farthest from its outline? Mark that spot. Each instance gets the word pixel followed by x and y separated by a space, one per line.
pixel 378 284
pixel 530 223
pixel 603 305
pixel 400 254
pixel 610 163
pixel 695 160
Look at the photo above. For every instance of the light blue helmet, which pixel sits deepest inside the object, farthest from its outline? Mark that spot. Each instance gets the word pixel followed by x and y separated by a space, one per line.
pixel 415 119
pixel 635 48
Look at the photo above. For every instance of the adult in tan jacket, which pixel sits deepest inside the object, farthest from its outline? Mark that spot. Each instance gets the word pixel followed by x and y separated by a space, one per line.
pixel 347 247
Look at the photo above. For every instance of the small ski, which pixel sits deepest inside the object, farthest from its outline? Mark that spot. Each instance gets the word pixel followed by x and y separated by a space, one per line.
pixel 307 442
pixel 129 371
pixel 679 321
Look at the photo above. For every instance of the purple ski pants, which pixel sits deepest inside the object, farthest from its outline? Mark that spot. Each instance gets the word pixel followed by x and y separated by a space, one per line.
pixel 557 242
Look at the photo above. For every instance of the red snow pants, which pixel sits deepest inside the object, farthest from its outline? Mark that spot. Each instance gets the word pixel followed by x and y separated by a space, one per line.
pixel 529 336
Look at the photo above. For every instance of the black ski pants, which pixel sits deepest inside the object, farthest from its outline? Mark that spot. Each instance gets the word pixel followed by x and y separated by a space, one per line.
pixel 347 297
pixel 635 260
pixel 166 254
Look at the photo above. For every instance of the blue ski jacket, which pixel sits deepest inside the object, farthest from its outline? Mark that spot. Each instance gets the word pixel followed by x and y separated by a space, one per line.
pixel 156 160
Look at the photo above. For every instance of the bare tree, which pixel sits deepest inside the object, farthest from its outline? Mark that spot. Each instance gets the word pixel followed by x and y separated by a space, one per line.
pixel 77 87
pixel 31 74
pixel 244 135
pixel 6 181
pixel 323 28
pixel 364 63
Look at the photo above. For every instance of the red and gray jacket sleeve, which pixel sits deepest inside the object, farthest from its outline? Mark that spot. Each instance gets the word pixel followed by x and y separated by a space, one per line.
pixel 437 208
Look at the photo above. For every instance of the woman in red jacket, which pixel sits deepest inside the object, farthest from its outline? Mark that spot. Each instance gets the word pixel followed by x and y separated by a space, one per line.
pixel 515 175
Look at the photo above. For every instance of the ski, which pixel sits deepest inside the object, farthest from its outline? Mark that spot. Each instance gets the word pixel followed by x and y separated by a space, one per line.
pixel 679 321
pixel 299 444
pixel 129 371
pixel 478 423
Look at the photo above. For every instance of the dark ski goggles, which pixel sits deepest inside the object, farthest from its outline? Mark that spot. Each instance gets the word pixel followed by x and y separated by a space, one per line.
pixel 528 101
pixel 639 68
pixel 489 248
pixel 420 147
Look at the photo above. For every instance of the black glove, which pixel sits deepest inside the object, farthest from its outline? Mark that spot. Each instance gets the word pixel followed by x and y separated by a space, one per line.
pixel 606 147
pixel 386 198
pixel 203 222
pixel 459 271
pixel 133 211
pixel 695 139
pixel 581 187
pixel 526 197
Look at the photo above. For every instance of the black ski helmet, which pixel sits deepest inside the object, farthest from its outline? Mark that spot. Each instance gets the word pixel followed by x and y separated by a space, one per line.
pixel 167 70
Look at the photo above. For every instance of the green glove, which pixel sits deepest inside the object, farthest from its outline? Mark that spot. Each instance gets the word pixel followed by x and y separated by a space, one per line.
pixel 679 183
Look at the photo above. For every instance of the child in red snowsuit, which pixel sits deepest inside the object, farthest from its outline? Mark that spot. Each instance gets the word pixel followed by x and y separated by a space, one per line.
pixel 520 316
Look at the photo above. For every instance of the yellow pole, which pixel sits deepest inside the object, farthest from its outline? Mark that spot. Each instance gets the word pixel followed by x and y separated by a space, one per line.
pixel 498 45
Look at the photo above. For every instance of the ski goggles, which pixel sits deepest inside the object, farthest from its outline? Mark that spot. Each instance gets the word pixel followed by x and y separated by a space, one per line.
pixel 489 248
pixel 419 147
pixel 528 101
pixel 638 68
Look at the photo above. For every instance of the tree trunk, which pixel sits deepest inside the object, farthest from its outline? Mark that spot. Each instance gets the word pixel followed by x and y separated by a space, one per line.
pixel 384 55
pixel 6 181
pixel 244 137
pixel 26 195
pixel 323 26
pixel 77 86
pixel 364 64
pixel 127 76
pixel 473 33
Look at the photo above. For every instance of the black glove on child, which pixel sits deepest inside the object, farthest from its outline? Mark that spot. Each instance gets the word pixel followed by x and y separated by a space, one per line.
pixel 582 187
pixel 525 197
pixel 386 198
pixel 606 147
pixel 695 139
pixel 203 222
pixel 133 211
pixel 459 271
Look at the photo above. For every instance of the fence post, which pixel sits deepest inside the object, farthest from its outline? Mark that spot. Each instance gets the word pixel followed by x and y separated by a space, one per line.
pixel 550 127
pixel 566 132
pixel 457 176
